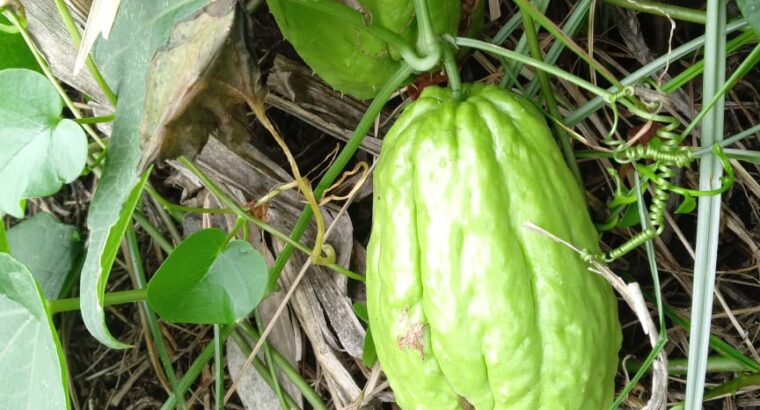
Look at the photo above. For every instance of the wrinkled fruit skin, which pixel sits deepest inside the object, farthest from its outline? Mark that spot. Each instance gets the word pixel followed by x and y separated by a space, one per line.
pixel 466 306
pixel 351 61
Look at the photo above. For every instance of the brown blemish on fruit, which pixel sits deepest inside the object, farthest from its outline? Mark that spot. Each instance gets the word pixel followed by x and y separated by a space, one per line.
pixel 466 405
pixel 413 339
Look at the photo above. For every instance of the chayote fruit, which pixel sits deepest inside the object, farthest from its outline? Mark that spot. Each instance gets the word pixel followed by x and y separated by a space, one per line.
pixel 349 59
pixel 467 307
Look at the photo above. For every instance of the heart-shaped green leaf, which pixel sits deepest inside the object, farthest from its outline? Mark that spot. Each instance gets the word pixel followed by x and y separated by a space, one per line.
pixel 207 280
pixel 33 365
pixel 49 249
pixel 39 151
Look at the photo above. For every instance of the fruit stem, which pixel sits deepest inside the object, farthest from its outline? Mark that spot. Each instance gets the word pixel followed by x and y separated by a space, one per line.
pixel 452 71
pixel 427 43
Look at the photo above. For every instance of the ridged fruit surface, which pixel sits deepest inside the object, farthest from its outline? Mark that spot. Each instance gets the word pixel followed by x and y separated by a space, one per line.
pixel 468 307
pixel 350 60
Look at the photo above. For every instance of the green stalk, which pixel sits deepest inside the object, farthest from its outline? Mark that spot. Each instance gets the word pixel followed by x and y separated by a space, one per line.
pixel 547 94
pixel 239 223
pixel 150 316
pixel 270 363
pixel 678 367
pixel 662 9
pixel 332 173
pixel 752 157
pixel 218 369
pixel 558 72
pixel 512 68
pixel 720 346
pixel 639 374
pixel 729 388
pixel 651 259
pixel 572 24
pixel 68 21
pixel 529 9
pixel 153 232
pixel 177 210
pixel 112 298
pixel 168 221
pixel 507 29
pixel 452 72
pixel 308 393
pixel 663 335
pixel 427 42
pixel 195 368
pixel 5 247
pixel 96 120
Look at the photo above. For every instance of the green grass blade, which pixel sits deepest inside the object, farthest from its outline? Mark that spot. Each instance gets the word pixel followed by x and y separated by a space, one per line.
pixel 512 68
pixel 662 9
pixel 708 217
pixel 744 155
pixel 657 64
pixel 572 24
pixel 135 260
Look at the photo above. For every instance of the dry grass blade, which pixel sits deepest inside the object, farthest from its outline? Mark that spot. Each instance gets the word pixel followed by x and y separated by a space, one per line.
pixel 100 20
pixel 631 294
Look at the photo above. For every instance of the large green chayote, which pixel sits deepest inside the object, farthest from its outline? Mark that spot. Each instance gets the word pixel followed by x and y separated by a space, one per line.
pixel 350 60
pixel 467 307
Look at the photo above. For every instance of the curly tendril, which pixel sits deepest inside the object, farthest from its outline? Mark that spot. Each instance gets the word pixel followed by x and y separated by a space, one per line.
pixel 666 153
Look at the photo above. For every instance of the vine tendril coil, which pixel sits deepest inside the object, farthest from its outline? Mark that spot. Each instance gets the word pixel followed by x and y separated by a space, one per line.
pixel 666 153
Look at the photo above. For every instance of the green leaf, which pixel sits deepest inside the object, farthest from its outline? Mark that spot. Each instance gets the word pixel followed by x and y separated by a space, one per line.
pixel 140 29
pixel 92 287
pixel 630 217
pixel 14 53
pixel 361 311
pixel 34 374
pixel 207 280
pixel 751 11
pixel 39 151
pixel 48 248
pixel 688 205
pixel 369 354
